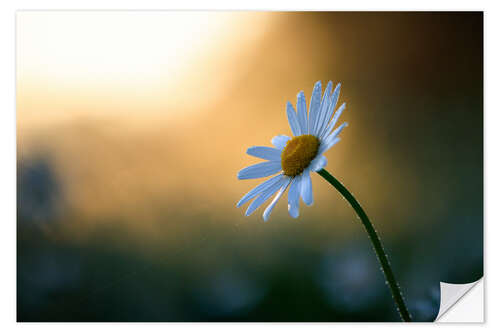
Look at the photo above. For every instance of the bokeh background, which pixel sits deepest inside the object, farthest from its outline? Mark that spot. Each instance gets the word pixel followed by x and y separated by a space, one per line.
pixel 132 126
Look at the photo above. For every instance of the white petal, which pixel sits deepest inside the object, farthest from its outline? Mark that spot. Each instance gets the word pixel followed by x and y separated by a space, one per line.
pixel 329 141
pixel 306 188
pixel 267 153
pixel 327 145
pixel 331 125
pixel 336 132
pixel 314 106
pixel 302 112
pixel 266 194
pixel 258 189
pixel 325 102
pixel 279 141
pixel 270 208
pixel 260 170
pixel 318 163
pixel 335 96
pixel 331 107
pixel 293 197
pixel 292 119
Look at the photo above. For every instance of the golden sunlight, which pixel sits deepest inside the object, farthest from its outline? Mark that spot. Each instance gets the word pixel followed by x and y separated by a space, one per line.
pixel 124 61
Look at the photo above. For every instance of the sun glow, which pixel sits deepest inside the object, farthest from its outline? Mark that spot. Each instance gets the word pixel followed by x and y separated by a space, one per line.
pixel 95 62
pixel 95 46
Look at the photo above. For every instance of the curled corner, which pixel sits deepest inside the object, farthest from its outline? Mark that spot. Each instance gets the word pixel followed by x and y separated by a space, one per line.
pixel 452 294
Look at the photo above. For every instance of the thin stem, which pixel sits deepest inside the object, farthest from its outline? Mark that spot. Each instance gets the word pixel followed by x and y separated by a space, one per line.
pixel 377 245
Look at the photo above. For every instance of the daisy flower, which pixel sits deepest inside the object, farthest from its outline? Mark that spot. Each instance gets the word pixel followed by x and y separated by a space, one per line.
pixel 294 158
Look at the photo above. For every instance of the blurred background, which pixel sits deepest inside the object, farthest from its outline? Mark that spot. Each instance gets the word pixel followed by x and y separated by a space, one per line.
pixel 132 126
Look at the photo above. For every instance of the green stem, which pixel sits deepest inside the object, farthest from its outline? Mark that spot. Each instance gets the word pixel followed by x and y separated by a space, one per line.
pixel 377 245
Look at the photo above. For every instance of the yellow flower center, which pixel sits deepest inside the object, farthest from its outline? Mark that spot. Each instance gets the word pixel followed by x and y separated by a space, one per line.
pixel 298 154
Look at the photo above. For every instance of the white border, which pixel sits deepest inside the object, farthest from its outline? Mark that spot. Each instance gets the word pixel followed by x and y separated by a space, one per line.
pixel 8 180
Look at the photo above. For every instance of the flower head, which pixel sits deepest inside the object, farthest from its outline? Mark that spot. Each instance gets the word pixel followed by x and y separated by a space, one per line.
pixel 295 158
